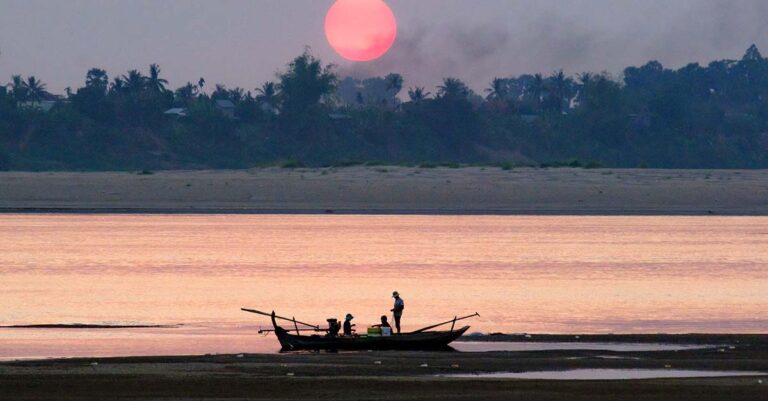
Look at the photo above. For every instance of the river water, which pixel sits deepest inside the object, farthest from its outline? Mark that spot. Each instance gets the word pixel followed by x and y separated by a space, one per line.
pixel 522 274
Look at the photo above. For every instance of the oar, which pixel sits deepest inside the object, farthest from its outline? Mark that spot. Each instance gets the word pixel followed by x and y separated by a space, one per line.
pixel 444 323
pixel 258 312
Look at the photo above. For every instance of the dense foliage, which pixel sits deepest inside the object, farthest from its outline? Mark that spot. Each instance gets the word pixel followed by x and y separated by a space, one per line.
pixel 696 117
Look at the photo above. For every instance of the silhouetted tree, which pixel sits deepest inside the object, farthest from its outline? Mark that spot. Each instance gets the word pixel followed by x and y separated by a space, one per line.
pixel 452 88
pixel 186 94
pixel 499 89
pixel 153 81
pixel 134 81
pixel 418 94
pixel 97 80
pixel 305 83
pixel 19 90
pixel 35 90
pixel 267 94
pixel 713 115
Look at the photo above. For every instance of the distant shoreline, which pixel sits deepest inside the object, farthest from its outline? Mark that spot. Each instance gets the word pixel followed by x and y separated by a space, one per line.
pixel 370 212
pixel 384 190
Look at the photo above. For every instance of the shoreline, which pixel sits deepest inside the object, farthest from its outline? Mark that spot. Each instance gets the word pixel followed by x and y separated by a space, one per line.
pixel 709 342
pixel 375 212
pixel 375 375
pixel 392 191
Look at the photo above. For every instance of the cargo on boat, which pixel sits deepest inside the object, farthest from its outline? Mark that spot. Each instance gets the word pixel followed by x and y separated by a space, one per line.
pixel 323 339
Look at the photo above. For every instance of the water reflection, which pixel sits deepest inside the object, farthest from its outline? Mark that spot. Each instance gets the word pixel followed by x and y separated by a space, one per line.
pixel 523 274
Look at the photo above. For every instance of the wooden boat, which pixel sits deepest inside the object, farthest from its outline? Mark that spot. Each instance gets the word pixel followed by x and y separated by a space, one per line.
pixel 423 339
pixel 426 340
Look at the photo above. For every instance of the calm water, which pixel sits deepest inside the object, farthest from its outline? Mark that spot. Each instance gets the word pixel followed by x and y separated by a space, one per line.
pixel 522 274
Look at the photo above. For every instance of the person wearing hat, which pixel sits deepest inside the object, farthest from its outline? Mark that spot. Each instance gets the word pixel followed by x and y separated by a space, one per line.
pixel 348 325
pixel 397 311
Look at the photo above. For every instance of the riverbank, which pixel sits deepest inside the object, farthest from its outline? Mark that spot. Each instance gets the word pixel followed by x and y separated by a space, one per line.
pixel 392 190
pixel 388 375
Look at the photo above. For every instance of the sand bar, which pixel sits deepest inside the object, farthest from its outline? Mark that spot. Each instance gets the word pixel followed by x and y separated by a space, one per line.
pixel 392 190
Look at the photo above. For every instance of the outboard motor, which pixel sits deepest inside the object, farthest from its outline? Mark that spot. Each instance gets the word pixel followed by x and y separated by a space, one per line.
pixel 333 327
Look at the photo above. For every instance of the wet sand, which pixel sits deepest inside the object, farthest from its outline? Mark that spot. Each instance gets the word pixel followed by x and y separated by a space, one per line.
pixel 393 190
pixel 389 376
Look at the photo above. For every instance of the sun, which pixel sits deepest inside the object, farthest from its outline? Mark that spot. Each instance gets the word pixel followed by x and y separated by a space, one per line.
pixel 361 30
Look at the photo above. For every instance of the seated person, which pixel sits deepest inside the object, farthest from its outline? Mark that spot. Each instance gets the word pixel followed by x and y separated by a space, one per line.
pixel 333 327
pixel 348 325
pixel 386 329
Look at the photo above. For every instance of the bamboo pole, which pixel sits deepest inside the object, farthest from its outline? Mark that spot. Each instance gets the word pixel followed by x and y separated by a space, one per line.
pixel 258 312
pixel 454 320
pixel 312 330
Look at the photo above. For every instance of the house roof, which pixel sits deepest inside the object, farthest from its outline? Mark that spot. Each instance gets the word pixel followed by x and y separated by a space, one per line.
pixel 177 111
pixel 44 105
pixel 225 104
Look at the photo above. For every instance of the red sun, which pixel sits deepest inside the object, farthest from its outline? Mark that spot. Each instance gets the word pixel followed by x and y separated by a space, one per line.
pixel 361 30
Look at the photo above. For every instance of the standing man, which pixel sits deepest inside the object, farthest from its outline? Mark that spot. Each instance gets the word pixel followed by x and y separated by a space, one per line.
pixel 397 311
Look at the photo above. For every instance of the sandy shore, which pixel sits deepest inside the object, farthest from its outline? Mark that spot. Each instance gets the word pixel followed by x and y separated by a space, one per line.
pixel 390 375
pixel 390 190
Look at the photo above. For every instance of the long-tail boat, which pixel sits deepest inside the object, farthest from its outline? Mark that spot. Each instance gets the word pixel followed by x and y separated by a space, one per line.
pixel 422 339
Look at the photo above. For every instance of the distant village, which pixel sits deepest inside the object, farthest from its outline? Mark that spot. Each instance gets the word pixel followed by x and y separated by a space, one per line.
pixel 713 116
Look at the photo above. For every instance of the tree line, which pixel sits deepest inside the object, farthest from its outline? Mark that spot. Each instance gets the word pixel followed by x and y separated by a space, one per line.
pixel 713 116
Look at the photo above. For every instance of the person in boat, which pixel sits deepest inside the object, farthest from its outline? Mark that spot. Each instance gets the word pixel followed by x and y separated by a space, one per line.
pixel 333 327
pixel 348 325
pixel 384 326
pixel 397 311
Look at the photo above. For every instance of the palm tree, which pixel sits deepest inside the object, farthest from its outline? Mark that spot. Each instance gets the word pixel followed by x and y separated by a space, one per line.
pixel 154 82
pixel 134 81
pixel 418 94
pixel 118 85
pixel 499 89
pixel 36 89
pixel 237 95
pixel 561 86
pixel 452 88
pixel 96 77
pixel 394 83
pixel 585 79
pixel 186 93
pixel 220 93
pixel 201 83
pixel 537 87
pixel 19 89
pixel 585 83
pixel 267 94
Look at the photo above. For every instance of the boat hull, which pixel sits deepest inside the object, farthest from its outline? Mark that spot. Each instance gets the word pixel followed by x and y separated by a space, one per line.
pixel 431 340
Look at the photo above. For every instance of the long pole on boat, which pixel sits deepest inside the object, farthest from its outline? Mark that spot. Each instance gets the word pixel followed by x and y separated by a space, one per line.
pixel 454 320
pixel 258 312
pixel 310 329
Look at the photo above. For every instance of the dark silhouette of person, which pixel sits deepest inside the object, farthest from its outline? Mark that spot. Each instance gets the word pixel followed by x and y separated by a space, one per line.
pixel 385 324
pixel 348 325
pixel 397 311
pixel 333 327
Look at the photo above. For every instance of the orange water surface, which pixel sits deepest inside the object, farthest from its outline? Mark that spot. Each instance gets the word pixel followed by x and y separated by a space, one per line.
pixel 522 274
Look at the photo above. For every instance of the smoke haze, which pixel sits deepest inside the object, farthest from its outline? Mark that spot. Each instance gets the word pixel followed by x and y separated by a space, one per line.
pixel 244 42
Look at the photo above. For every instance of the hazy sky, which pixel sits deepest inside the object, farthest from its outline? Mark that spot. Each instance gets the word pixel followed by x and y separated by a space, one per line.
pixel 244 42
